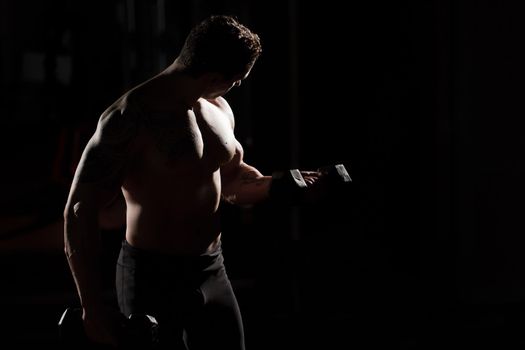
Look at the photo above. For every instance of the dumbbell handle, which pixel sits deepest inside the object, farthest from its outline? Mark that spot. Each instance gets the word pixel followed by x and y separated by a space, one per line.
pixel 289 187
pixel 141 330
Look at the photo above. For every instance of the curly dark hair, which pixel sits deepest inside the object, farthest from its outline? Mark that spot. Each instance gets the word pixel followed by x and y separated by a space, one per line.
pixel 220 44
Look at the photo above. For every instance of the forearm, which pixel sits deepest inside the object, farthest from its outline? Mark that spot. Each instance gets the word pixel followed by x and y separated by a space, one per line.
pixel 248 186
pixel 82 249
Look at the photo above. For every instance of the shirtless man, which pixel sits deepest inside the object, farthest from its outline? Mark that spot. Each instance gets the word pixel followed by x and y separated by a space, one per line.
pixel 168 146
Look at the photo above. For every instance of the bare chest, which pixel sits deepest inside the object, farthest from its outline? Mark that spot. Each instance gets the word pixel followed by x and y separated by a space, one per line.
pixel 177 140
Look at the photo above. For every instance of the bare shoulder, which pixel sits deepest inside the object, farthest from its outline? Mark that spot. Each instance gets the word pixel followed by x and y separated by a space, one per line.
pixel 221 104
pixel 118 120
pixel 111 145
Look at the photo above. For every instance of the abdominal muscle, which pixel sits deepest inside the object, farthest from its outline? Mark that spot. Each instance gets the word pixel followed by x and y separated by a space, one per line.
pixel 176 216
pixel 172 186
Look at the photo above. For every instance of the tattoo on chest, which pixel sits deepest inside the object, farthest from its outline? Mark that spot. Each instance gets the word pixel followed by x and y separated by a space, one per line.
pixel 174 138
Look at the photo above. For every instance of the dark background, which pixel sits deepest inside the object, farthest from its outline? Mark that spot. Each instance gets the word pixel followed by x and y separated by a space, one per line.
pixel 421 100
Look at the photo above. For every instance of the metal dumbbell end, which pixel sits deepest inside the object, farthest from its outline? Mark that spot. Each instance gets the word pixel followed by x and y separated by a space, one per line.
pixel 141 332
pixel 70 328
pixel 287 187
pixel 336 173
pixel 336 184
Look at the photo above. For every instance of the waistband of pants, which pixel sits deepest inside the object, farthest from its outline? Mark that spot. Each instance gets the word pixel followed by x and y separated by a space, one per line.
pixel 199 261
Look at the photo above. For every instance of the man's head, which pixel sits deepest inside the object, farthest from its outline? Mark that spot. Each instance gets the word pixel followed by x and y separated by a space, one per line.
pixel 220 44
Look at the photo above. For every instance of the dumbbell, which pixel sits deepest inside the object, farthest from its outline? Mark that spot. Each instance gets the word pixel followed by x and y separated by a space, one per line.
pixel 140 331
pixel 336 182
pixel 289 187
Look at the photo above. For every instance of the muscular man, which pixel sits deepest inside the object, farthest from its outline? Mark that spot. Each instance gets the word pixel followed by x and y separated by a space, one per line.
pixel 168 146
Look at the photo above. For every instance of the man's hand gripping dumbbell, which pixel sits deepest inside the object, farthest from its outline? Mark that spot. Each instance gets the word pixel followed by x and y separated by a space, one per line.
pixel 297 187
pixel 139 331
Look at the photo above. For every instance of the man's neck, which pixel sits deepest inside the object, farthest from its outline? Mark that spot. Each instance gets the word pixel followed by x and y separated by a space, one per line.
pixel 189 89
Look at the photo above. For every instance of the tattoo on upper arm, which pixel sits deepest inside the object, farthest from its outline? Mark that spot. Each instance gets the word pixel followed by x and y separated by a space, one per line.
pixel 100 165
pixel 107 152
pixel 251 177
